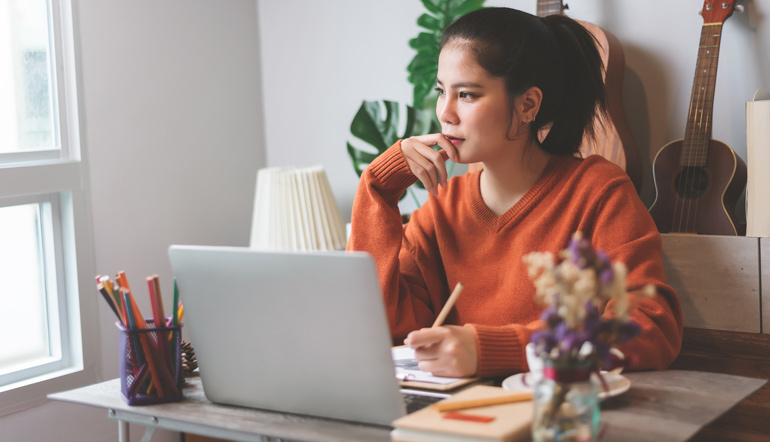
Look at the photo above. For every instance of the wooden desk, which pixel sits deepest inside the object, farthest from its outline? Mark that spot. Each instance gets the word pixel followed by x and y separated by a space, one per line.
pixel 736 353
pixel 665 405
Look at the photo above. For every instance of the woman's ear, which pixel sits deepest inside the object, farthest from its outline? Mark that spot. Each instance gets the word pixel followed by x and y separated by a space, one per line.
pixel 528 104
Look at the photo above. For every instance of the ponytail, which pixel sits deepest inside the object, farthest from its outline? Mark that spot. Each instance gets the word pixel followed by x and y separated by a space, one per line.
pixel 571 113
pixel 555 54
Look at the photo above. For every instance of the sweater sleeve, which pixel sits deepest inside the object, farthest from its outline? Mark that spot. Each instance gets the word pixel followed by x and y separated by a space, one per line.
pixel 625 230
pixel 500 349
pixel 376 228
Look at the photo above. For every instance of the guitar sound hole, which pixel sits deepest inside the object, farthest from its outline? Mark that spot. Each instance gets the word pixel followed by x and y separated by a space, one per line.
pixel 691 182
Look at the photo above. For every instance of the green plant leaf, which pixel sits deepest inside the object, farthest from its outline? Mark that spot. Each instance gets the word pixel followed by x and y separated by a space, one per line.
pixel 423 67
pixel 425 41
pixel 431 6
pixel 422 91
pixel 429 22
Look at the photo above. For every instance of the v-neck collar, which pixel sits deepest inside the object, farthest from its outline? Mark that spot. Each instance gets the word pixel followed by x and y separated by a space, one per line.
pixel 498 223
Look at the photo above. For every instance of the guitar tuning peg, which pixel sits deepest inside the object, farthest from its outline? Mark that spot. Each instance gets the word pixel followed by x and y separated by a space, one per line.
pixel 739 9
pixel 566 6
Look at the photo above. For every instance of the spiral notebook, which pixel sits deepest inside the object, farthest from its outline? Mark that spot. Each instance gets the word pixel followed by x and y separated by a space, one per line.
pixel 293 332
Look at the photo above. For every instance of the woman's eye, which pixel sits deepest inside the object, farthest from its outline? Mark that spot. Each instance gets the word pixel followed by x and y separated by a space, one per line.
pixel 466 95
pixel 439 90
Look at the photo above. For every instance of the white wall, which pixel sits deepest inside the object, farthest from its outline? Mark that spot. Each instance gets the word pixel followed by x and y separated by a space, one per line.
pixel 171 92
pixel 321 59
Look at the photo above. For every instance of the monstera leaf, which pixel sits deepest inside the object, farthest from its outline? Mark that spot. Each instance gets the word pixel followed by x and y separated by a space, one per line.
pixel 381 131
pixel 424 66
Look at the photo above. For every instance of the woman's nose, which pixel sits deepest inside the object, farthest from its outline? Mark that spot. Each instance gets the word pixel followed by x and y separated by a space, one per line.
pixel 446 111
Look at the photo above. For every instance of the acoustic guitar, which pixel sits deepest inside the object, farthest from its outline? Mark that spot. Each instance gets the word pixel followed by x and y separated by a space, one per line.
pixel 698 180
pixel 613 139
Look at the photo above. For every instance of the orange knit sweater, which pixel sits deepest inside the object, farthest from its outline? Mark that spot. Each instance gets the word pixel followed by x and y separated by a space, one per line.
pixel 455 237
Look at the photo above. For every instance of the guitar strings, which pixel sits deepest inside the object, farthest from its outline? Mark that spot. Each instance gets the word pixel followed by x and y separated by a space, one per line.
pixel 694 170
pixel 710 72
pixel 681 201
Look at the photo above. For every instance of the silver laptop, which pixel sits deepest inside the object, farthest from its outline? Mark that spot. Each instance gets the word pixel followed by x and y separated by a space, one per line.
pixel 292 332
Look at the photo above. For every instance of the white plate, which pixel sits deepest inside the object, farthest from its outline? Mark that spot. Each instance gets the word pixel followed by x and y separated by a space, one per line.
pixel 522 382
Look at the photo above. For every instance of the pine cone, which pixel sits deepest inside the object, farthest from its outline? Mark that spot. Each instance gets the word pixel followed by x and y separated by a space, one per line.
pixel 189 361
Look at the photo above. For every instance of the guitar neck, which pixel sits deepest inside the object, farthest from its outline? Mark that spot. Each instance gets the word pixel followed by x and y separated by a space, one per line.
pixel 549 7
pixel 699 120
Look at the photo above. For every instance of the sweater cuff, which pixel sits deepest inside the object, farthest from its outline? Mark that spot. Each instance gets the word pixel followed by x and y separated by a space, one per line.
pixel 499 351
pixel 391 169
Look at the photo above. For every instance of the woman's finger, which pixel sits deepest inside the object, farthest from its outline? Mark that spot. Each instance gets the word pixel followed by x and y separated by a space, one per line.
pixel 424 171
pixel 441 141
pixel 423 337
pixel 420 166
pixel 438 162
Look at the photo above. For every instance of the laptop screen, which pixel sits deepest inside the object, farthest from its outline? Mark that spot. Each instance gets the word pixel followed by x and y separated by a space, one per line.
pixel 293 332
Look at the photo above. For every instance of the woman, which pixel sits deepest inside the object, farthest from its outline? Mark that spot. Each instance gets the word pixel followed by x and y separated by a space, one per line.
pixel 516 94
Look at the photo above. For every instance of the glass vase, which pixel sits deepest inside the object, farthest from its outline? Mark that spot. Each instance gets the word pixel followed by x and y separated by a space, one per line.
pixel 566 404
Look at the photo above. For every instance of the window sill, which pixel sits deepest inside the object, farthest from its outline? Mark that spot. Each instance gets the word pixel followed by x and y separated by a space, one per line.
pixel 32 392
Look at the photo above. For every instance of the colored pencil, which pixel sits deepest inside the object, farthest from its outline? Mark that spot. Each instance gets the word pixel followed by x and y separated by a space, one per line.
pixel 483 402
pixel 159 318
pixel 135 317
pixel 131 325
pixel 110 301
pixel 175 312
pixel 107 282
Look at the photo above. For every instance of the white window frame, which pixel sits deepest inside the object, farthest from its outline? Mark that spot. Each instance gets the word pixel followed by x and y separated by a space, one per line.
pixel 59 179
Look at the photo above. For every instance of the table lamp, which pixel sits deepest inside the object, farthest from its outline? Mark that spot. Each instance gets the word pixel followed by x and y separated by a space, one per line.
pixel 294 209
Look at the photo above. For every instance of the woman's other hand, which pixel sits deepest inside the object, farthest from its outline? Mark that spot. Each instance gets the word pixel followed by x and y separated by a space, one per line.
pixel 428 164
pixel 448 351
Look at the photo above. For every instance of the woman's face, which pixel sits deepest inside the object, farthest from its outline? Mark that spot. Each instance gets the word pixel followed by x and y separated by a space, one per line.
pixel 473 107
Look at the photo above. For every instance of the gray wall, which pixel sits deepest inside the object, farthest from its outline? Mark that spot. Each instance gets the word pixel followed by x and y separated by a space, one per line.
pixel 172 126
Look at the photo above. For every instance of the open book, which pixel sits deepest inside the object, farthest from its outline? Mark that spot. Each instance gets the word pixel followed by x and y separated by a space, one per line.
pixel 410 374
pixel 758 165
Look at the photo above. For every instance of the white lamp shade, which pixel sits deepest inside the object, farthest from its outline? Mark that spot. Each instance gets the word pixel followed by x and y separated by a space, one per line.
pixel 294 209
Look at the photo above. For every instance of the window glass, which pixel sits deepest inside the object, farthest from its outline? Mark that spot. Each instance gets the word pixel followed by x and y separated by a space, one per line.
pixel 22 287
pixel 27 110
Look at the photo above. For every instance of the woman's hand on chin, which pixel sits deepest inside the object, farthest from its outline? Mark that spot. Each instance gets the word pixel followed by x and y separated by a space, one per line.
pixel 426 164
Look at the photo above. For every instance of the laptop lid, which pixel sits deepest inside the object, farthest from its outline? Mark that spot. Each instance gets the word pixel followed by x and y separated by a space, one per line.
pixel 293 332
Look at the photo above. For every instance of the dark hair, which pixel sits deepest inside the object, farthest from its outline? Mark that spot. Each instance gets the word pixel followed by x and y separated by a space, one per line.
pixel 555 54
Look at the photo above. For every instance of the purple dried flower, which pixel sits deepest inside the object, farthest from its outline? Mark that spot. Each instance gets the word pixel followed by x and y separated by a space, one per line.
pixel 574 289
pixel 551 317
pixel 581 251
pixel 604 268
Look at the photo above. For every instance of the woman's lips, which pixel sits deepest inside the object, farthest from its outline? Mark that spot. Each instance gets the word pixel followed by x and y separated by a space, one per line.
pixel 454 140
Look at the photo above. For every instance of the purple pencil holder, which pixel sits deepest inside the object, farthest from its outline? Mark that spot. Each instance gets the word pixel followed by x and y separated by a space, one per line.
pixel 151 364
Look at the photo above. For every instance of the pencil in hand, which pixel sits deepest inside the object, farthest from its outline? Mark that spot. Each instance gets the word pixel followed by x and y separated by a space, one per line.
pixel 449 304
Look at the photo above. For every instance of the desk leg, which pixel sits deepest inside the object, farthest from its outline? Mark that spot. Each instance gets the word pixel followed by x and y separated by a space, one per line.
pixel 123 421
pixel 123 435
pixel 148 434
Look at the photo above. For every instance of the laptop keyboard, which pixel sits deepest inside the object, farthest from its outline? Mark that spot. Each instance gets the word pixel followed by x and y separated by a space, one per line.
pixel 416 402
